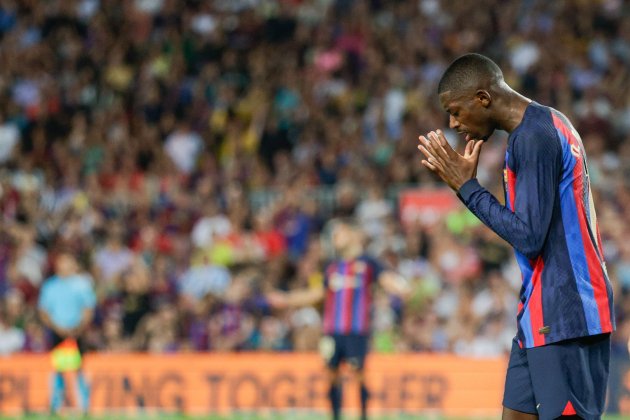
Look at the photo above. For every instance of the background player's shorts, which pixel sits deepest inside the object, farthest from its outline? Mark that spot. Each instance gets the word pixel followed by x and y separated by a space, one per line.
pixel 568 377
pixel 351 348
pixel 56 339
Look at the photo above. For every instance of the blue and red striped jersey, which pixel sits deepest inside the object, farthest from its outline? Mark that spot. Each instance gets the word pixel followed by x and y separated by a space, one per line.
pixel 549 218
pixel 348 295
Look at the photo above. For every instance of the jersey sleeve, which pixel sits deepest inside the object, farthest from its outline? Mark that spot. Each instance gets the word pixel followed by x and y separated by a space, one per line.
pixel 538 165
pixel 376 267
pixel 326 275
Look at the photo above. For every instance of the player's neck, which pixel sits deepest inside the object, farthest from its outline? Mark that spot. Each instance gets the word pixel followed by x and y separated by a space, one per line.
pixel 350 253
pixel 513 106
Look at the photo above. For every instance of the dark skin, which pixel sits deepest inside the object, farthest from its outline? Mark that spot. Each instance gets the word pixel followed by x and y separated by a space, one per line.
pixel 475 113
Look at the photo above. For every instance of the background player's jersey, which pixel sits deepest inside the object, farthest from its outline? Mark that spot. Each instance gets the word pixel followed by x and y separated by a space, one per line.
pixel 348 295
pixel 550 220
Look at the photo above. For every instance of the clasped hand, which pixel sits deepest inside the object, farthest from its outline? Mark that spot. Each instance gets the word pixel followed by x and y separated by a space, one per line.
pixel 453 168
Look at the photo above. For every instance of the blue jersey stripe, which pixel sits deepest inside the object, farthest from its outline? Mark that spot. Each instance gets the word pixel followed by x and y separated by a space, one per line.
pixel 526 327
pixel 348 298
pixel 357 308
pixel 527 271
pixel 339 295
pixel 573 234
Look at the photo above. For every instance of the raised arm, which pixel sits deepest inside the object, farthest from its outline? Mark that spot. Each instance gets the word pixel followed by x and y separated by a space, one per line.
pixel 296 298
pixel 394 284
pixel 538 160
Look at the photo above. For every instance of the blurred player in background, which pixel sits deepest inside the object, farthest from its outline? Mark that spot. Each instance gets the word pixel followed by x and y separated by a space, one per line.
pixel 347 294
pixel 560 358
pixel 66 307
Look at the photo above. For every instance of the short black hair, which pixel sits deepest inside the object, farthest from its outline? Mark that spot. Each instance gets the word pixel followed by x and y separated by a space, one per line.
pixel 470 71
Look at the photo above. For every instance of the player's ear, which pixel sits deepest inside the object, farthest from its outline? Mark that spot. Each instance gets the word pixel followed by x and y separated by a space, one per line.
pixel 483 97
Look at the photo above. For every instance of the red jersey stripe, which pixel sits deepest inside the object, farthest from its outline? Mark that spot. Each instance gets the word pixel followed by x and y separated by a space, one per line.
pixel 535 303
pixel 595 272
pixel 329 310
pixel 348 296
pixel 511 180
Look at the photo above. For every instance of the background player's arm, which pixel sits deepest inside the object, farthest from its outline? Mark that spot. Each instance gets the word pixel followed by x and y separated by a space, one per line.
pixel 88 300
pixel 43 316
pixel 86 320
pixel 394 284
pixel 539 160
pixel 42 310
pixel 296 298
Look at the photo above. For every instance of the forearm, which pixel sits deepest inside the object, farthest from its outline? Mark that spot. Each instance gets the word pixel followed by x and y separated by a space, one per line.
pixel 86 320
pixel 523 237
pixel 45 319
pixel 300 298
pixel 48 323
pixel 395 284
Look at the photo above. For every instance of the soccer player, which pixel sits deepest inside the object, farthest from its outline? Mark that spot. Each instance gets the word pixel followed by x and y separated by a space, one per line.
pixel 559 360
pixel 347 292
pixel 66 307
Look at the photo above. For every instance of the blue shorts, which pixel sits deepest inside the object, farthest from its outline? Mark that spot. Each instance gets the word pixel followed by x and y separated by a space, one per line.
pixel 351 348
pixel 568 377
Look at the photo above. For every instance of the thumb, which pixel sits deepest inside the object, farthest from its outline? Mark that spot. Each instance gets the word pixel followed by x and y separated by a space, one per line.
pixel 469 148
pixel 477 149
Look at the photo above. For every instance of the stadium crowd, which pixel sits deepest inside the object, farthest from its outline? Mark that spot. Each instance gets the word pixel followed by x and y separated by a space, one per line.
pixel 189 153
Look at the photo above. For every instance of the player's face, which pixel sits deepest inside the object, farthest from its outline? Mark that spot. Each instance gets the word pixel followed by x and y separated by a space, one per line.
pixel 468 115
pixel 343 236
pixel 65 265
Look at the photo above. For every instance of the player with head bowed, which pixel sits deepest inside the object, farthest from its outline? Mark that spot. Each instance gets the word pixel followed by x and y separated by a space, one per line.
pixel 560 357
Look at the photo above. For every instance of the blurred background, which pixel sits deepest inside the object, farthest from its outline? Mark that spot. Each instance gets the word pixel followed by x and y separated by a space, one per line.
pixel 190 152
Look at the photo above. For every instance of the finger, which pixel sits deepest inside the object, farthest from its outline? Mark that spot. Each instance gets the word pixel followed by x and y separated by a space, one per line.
pixel 439 165
pixel 430 162
pixel 445 144
pixel 429 165
pixel 477 149
pixel 435 161
pixel 437 149
pixel 424 142
pixel 469 148
pixel 423 139
pixel 425 151
pixel 437 143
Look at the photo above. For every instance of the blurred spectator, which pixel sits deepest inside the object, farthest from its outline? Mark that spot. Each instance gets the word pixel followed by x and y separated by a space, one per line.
pixel 171 143
pixel 203 279
pixel 135 297
pixel 9 138
pixel 183 147
pixel 113 258
pixel 12 339
pixel 231 325
pixel 211 224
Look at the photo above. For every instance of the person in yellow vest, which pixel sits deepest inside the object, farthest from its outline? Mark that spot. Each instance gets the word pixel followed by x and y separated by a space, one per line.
pixel 66 307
